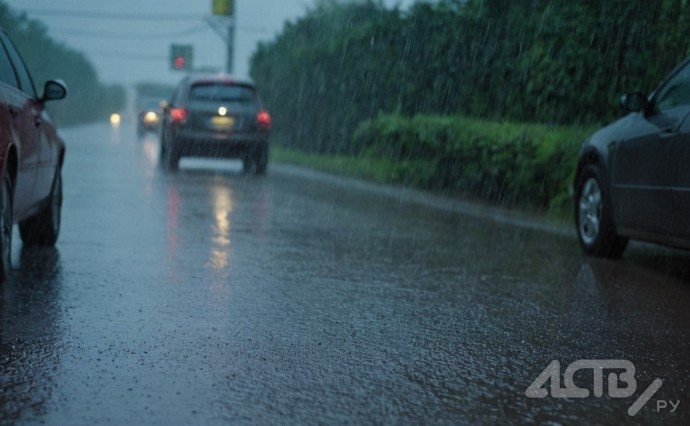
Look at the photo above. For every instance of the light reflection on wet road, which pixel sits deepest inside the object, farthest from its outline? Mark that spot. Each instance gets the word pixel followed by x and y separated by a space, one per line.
pixel 210 297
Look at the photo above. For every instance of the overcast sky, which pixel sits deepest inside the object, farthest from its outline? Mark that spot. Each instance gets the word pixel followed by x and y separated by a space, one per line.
pixel 129 40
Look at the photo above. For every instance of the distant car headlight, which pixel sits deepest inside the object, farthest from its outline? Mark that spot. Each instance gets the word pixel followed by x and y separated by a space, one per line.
pixel 150 117
pixel 115 119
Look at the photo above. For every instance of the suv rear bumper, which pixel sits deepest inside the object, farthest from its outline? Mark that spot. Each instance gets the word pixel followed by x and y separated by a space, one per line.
pixel 223 146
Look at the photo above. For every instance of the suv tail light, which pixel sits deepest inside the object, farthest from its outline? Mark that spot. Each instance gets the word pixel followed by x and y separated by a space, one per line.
pixel 178 114
pixel 264 120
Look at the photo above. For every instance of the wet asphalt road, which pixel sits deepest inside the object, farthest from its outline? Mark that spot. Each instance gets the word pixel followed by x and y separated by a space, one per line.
pixel 210 297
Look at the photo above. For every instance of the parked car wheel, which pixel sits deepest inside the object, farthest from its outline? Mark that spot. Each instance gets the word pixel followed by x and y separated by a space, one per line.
pixel 5 226
pixel 43 228
pixel 593 217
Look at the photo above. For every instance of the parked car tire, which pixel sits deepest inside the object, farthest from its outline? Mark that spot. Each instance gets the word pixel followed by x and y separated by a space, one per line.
pixel 43 229
pixel 5 226
pixel 594 217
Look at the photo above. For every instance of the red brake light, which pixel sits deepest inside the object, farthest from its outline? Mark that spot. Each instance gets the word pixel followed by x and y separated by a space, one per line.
pixel 178 114
pixel 264 119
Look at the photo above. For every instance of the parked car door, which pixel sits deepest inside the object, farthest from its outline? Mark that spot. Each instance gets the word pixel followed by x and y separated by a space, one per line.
pixel 642 174
pixel 20 97
pixel 39 123
pixel 644 163
pixel 681 191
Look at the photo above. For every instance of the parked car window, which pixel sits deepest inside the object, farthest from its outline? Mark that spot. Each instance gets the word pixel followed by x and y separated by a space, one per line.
pixel 676 92
pixel 222 92
pixel 6 70
pixel 25 83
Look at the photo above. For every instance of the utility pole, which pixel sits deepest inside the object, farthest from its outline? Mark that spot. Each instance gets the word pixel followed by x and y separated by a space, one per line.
pixel 231 43
pixel 223 22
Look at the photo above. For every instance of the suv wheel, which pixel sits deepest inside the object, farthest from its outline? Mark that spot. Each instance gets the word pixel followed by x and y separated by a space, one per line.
pixel 256 161
pixel 169 157
pixel 261 159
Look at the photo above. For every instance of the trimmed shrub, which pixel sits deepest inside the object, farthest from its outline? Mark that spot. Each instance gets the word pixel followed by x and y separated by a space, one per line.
pixel 516 164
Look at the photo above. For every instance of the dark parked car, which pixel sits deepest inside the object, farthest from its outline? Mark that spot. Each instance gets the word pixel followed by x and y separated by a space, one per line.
pixel 31 157
pixel 633 178
pixel 148 115
pixel 216 116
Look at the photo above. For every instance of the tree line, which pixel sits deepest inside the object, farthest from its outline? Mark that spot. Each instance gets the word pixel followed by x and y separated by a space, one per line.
pixel 88 99
pixel 546 61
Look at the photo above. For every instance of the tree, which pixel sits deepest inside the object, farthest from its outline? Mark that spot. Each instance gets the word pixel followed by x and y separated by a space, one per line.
pixel 87 99
pixel 552 61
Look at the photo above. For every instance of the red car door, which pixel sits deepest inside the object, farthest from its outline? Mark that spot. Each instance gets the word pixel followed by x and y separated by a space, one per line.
pixel 25 137
pixel 39 127
pixel 23 131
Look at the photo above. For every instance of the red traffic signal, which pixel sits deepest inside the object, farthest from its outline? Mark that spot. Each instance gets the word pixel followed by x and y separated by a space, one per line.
pixel 179 62
pixel 181 57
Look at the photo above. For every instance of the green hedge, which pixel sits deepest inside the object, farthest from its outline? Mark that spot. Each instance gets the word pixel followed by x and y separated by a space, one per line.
pixel 523 165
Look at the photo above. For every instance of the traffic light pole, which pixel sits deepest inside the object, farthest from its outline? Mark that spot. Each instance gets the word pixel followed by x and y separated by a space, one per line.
pixel 224 26
pixel 231 43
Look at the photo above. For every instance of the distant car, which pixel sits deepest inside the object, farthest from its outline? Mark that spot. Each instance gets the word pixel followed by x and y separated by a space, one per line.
pixel 632 178
pixel 148 115
pixel 31 157
pixel 216 116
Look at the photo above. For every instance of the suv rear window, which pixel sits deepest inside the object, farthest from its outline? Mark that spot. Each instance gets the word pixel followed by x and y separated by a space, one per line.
pixel 222 92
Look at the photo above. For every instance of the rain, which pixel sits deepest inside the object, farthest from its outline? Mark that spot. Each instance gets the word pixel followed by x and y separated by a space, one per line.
pixel 344 212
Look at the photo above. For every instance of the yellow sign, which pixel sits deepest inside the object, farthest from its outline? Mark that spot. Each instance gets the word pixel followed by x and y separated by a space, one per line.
pixel 223 7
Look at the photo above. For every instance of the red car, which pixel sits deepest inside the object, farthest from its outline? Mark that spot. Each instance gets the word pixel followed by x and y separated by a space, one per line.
pixel 31 157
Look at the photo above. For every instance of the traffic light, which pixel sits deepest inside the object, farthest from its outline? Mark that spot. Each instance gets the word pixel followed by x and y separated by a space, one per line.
pixel 181 57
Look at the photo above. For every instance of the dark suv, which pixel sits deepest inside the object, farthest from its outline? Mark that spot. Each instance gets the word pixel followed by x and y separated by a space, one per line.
pixel 633 179
pixel 215 116
pixel 31 156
